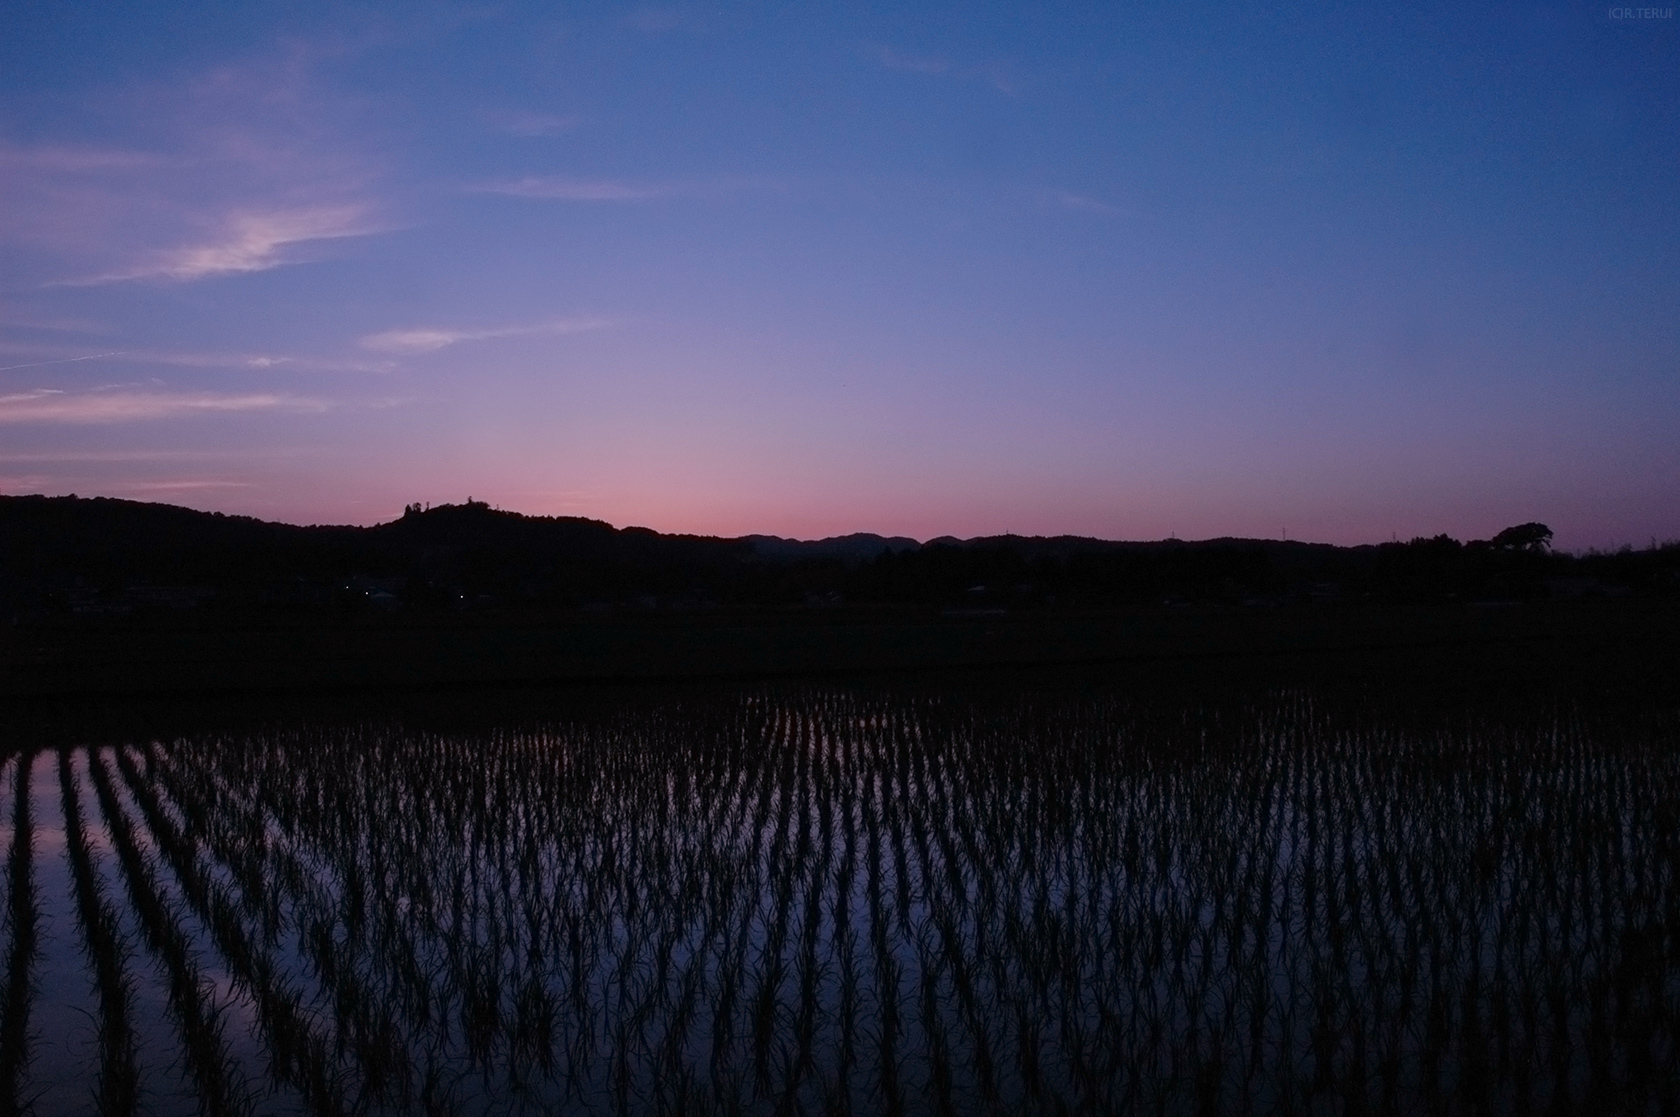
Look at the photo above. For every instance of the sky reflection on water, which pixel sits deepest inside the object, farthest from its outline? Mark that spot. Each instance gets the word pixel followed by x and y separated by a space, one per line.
pixel 831 899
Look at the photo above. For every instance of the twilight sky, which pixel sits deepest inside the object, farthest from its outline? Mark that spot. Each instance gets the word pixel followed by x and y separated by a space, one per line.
pixel 1128 271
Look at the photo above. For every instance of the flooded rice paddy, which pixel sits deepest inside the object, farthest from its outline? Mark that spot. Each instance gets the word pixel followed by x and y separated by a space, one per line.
pixel 842 899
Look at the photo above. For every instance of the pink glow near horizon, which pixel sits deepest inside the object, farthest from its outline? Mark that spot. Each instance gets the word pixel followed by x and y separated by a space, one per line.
pixel 737 273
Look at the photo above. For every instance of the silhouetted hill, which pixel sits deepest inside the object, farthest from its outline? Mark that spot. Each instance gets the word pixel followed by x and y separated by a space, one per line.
pixel 64 555
pixel 475 525
pixel 857 547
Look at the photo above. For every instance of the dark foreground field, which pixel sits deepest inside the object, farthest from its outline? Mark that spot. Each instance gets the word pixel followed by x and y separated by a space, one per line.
pixel 1625 644
pixel 1198 887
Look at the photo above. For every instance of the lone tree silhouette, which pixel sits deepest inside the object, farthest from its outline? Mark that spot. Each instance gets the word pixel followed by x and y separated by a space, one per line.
pixel 1524 537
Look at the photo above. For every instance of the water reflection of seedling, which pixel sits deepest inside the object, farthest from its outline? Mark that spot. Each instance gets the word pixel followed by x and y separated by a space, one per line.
pixel 846 900
pixel 190 1002
pixel 117 1091
pixel 299 1056
pixel 22 919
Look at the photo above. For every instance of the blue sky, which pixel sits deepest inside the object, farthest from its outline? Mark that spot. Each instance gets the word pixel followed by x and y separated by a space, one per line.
pixel 1342 272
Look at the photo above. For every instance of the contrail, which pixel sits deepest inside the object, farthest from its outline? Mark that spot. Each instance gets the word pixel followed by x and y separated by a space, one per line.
pixel 65 361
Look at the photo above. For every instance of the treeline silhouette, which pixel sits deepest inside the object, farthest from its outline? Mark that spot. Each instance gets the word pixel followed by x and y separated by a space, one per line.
pixel 66 556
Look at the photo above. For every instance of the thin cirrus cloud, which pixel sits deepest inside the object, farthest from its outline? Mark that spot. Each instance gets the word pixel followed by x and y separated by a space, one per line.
pixel 73 160
pixel 1000 75
pixel 911 63
pixel 126 457
pixel 1067 199
pixel 52 405
pixel 185 486
pixel 61 360
pixel 428 339
pixel 565 188
pixel 534 124
pixel 561 188
pixel 50 323
pixel 656 19
pixel 42 356
pixel 249 242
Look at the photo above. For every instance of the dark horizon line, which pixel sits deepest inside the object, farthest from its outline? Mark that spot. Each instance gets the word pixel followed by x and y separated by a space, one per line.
pixel 424 508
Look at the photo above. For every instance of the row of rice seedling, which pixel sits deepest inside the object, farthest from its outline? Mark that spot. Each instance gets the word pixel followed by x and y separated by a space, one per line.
pixel 298 1053
pixel 117 1090
pixel 22 926
pixel 905 902
pixel 220 1084
pixel 308 1048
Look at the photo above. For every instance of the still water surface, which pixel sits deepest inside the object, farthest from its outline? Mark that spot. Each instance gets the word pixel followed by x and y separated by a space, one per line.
pixel 852 900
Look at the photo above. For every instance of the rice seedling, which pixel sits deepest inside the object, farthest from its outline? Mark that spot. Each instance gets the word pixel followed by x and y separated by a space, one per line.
pixel 190 1001
pixel 118 1086
pixel 22 919
pixel 919 901
pixel 299 1055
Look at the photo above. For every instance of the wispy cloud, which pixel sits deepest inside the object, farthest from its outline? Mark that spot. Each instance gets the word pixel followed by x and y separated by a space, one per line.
pixel 127 457
pixel 565 188
pixel 190 485
pixel 16 318
pixel 249 242
pixel 244 166
pixel 63 355
pixel 61 361
pixel 911 63
pixel 1000 75
pixel 1067 199
pixel 258 241
pixel 25 483
pixel 50 405
pixel 73 160
pixel 427 339
pixel 534 123
pixel 655 18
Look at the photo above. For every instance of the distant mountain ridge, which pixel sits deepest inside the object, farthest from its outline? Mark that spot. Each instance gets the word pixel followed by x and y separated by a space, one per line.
pixel 857 547
pixel 70 554
pixel 476 522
